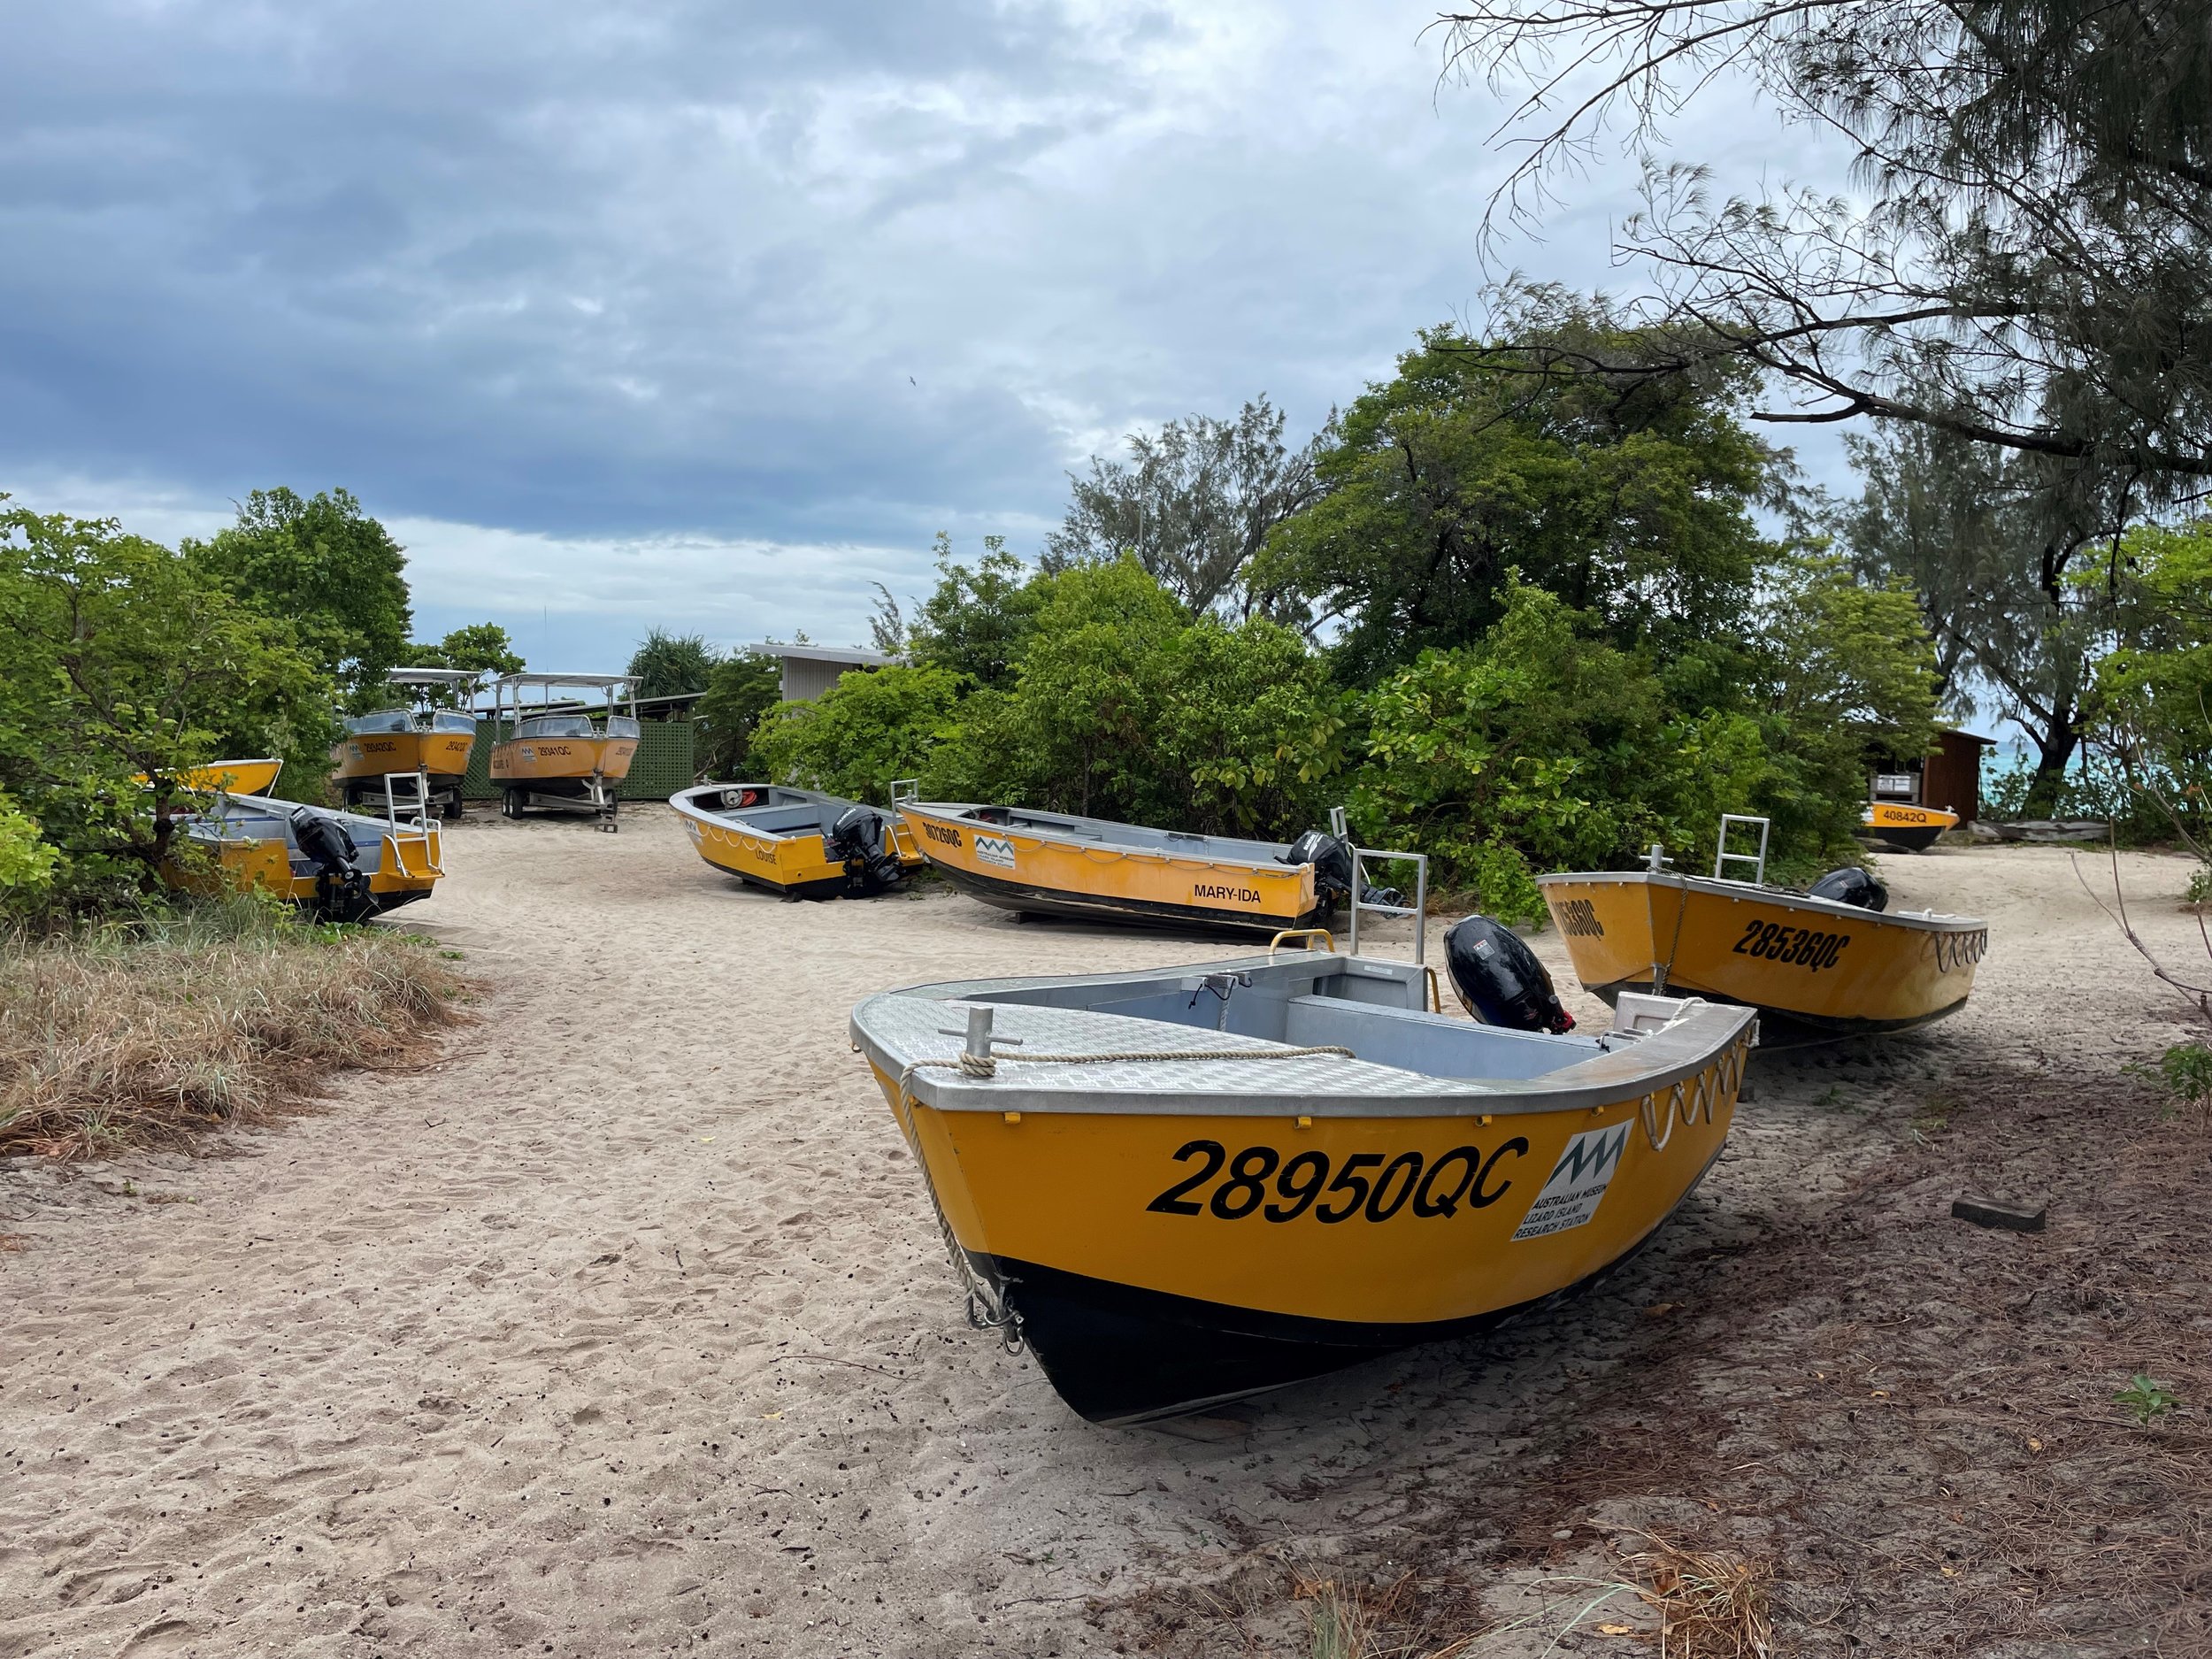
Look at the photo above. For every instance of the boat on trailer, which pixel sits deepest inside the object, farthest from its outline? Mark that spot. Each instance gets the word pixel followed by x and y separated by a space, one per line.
pixel 429 742
pixel 563 755
pixel 336 866
pixel 1822 961
pixel 796 842
pixel 1184 1185
pixel 1056 863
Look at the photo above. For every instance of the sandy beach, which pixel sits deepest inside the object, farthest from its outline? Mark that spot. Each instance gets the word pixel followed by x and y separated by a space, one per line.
pixel 624 1325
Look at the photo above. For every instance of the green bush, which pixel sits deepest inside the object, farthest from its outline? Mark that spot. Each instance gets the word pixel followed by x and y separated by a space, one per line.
pixel 867 729
pixel 120 660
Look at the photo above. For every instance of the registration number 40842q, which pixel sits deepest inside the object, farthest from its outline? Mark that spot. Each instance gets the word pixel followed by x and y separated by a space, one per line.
pixel 1260 1180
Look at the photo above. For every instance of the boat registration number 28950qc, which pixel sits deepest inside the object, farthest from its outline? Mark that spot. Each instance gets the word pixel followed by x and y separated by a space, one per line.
pixel 1189 1185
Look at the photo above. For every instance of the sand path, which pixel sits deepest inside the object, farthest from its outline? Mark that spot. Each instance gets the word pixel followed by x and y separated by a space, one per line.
pixel 627 1329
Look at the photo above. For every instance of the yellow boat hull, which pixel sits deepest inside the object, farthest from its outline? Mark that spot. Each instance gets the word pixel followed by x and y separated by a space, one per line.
pixel 1825 965
pixel 408 871
pixel 1912 828
pixel 368 756
pixel 537 761
pixel 1017 870
pixel 1160 1246
pixel 799 865
pixel 232 777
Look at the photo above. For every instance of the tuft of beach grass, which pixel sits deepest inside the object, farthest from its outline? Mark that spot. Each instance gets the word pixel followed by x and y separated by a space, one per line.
pixel 150 1029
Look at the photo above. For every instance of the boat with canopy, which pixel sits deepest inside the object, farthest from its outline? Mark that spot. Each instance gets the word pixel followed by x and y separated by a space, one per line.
pixel 559 753
pixel 428 741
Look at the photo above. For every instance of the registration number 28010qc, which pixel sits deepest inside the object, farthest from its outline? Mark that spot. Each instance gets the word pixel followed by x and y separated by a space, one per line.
pixel 1374 1184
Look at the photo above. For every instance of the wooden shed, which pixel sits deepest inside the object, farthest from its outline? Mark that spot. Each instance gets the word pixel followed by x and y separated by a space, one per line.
pixel 1950 778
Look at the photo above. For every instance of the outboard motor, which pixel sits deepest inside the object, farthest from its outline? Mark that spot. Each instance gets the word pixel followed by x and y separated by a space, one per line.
pixel 858 838
pixel 342 887
pixel 1852 885
pixel 1499 978
pixel 1332 862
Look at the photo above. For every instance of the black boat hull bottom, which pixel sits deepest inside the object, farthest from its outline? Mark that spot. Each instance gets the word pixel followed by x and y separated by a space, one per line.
pixel 1034 901
pixel 1120 1354
pixel 1911 841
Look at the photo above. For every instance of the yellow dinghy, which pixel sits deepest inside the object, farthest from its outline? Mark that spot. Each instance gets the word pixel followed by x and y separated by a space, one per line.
pixel 337 866
pixel 795 842
pixel 1819 960
pixel 235 777
pixel 560 754
pixel 1902 824
pixel 1186 1185
pixel 1056 864
pixel 427 742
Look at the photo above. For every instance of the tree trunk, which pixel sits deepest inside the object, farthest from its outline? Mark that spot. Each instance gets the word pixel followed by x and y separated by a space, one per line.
pixel 2055 745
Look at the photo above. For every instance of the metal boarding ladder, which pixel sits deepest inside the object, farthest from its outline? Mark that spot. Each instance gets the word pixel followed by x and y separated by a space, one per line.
pixel 1723 858
pixel 1418 910
pixel 407 814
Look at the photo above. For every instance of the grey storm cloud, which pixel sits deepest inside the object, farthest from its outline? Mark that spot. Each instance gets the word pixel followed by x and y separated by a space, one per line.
pixel 755 276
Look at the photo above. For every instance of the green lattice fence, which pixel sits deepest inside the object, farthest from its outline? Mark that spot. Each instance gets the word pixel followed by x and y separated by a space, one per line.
pixel 667 756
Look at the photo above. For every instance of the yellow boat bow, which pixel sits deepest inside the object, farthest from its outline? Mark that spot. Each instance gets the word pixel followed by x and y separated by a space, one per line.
pixel 1192 1183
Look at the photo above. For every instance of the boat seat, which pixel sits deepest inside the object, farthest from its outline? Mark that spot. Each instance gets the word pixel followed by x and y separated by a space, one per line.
pixel 1438 1045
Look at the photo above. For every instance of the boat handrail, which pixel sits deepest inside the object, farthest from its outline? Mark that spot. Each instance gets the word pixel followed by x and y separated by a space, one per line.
pixel 905 790
pixel 1418 910
pixel 1327 939
pixel 1723 857
pixel 415 826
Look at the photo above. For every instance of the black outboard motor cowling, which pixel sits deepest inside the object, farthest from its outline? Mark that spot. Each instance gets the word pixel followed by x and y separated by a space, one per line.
pixel 1499 978
pixel 1332 862
pixel 342 887
pixel 858 838
pixel 1852 885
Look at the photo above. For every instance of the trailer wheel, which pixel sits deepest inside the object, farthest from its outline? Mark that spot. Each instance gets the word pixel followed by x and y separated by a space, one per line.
pixel 510 803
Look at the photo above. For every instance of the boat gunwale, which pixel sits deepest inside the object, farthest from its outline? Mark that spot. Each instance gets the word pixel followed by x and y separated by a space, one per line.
pixel 960 812
pixel 1711 887
pixel 1684 1049
pixel 681 802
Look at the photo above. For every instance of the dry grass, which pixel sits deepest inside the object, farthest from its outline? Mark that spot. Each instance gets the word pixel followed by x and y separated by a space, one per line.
pixel 1712 1603
pixel 147 1031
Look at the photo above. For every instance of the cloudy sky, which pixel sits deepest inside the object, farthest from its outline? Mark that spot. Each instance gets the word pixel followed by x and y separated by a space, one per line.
pixel 709 315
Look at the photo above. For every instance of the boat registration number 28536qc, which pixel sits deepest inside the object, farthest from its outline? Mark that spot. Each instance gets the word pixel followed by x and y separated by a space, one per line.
pixel 1191 1184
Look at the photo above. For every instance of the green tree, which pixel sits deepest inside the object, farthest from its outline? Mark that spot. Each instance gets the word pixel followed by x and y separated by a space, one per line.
pixel 1195 502
pixel 1993 544
pixel 2026 261
pixel 333 575
pixel 741 688
pixel 2152 700
pixel 120 658
pixel 1092 688
pixel 482 647
pixel 667 664
pixel 1539 748
pixel 1253 733
pixel 1628 496
pixel 867 729
pixel 979 619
